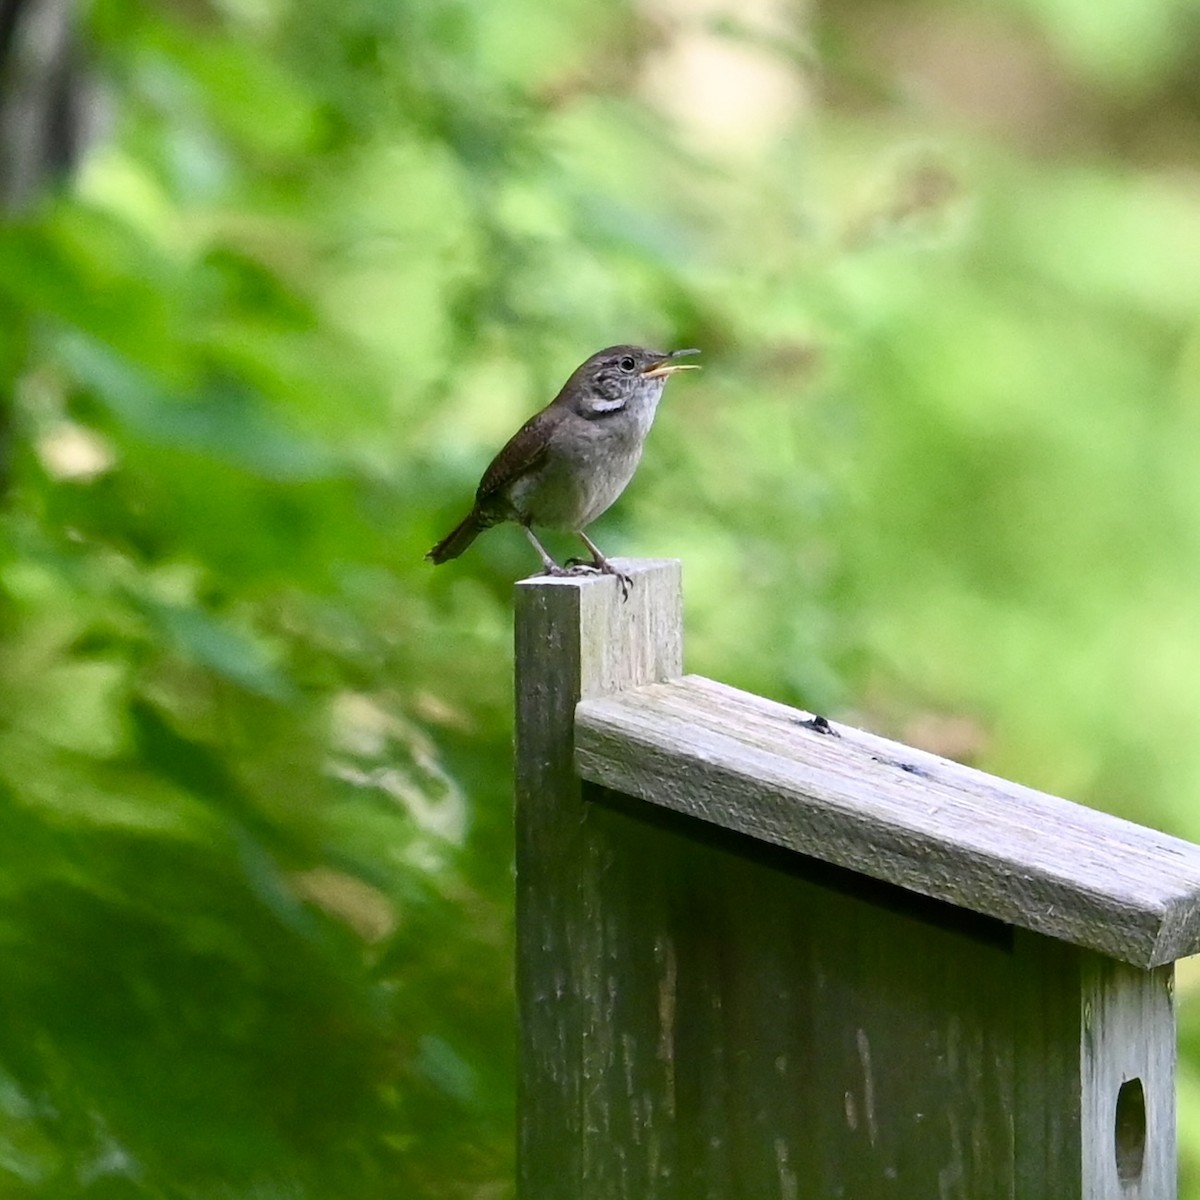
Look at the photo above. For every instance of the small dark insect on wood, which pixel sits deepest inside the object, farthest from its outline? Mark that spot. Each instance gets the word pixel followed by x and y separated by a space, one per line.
pixel 819 724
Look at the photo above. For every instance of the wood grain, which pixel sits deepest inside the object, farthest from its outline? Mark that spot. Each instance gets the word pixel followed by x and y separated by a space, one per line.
pixel 579 894
pixel 1128 1038
pixel 897 814
pixel 781 1036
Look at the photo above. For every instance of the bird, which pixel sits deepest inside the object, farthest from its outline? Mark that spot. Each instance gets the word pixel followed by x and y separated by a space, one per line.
pixel 571 461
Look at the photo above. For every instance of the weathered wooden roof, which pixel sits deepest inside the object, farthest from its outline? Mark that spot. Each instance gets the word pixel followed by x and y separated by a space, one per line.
pixel 897 814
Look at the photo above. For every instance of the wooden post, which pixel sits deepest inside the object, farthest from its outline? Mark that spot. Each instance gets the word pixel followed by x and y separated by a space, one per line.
pixel 762 957
pixel 575 638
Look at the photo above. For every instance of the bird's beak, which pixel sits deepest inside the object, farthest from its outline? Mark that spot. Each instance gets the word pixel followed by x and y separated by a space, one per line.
pixel 667 366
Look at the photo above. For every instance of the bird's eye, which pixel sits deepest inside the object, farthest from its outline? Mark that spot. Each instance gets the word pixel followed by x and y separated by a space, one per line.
pixel 627 364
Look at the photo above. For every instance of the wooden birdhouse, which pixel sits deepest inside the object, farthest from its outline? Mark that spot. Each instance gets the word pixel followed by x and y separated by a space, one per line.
pixel 766 957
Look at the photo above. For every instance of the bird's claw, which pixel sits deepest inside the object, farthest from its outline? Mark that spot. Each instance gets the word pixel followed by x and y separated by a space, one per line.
pixel 580 566
pixel 574 568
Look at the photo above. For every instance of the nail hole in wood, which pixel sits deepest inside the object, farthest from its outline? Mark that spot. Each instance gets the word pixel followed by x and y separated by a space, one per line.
pixel 1131 1131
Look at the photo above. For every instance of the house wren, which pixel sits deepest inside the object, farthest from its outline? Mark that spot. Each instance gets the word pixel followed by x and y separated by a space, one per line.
pixel 568 463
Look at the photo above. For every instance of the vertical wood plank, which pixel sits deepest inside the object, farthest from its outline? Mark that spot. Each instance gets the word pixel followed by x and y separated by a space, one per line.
pixel 1085 1027
pixel 1128 1081
pixel 576 637
pixel 1046 1046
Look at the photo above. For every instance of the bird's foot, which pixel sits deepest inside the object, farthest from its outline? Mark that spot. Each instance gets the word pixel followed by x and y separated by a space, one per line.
pixel 600 566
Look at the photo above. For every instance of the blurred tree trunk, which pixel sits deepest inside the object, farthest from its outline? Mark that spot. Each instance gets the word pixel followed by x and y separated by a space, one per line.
pixel 42 104
pixel 42 130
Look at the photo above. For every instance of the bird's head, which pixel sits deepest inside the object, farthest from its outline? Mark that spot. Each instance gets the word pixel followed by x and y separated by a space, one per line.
pixel 623 376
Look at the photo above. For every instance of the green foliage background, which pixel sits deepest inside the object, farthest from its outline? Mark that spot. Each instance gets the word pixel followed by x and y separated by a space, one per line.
pixel 939 476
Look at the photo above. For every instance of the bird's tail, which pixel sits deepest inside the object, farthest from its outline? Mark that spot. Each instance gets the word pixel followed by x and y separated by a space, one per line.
pixel 459 538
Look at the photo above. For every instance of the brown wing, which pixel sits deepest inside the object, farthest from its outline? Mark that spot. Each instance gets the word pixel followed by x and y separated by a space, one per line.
pixel 523 451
